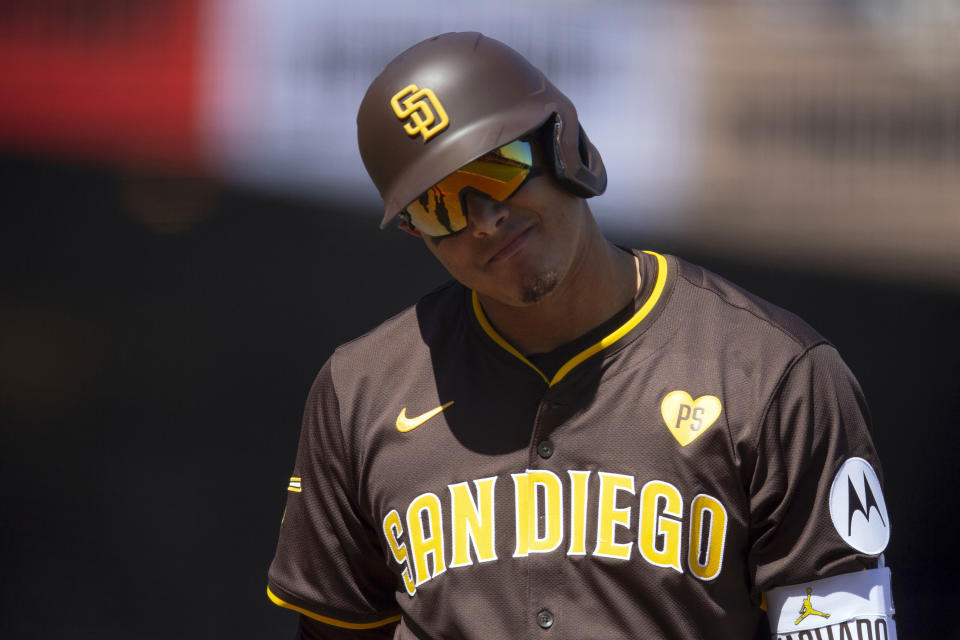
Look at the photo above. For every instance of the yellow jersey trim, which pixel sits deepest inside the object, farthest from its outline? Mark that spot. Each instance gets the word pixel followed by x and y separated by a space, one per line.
pixel 607 341
pixel 488 328
pixel 331 621
pixel 294 485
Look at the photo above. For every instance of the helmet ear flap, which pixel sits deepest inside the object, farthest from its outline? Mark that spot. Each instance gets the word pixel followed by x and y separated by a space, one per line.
pixel 582 173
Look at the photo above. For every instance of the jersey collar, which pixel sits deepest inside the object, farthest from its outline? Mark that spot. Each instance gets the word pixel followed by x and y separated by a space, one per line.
pixel 604 342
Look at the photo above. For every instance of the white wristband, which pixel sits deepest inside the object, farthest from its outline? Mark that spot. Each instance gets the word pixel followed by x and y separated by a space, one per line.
pixel 853 605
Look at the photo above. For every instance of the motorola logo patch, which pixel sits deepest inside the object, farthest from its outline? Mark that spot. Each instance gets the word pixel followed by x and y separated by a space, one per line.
pixel 858 509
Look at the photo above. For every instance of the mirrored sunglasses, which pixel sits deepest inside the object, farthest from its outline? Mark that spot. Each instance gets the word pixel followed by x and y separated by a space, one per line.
pixel 440 210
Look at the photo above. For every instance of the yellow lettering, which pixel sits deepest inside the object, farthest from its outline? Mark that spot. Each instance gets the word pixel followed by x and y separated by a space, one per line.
pixel 712 555
pixel 550 513
pixel 609 516
pixel 426 541
pixel 530 512
pixel 472 524
pixel 419 105
pixel 392 529
pixel 660 532
pixel 524 515
pixel 540 524
pixel 579 481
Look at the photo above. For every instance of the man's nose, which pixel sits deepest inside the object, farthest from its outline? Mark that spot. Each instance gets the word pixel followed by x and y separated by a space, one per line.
pixel 484 213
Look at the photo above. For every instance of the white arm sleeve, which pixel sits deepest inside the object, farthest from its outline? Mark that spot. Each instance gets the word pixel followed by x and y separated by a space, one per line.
pixel 852 605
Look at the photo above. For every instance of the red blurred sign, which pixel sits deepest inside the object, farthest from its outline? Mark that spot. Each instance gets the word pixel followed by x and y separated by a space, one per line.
pixel 109 80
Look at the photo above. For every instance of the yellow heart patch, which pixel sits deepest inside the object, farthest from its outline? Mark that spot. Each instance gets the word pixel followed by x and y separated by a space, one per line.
pixel 687 418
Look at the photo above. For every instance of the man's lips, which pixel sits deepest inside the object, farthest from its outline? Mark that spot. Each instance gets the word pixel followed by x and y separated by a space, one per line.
pixel 511 246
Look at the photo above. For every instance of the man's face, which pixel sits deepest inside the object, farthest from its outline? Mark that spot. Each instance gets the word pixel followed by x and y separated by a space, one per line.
pixel 516 251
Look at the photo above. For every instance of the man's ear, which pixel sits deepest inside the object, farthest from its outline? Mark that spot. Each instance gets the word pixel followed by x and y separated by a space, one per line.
pixel 412 231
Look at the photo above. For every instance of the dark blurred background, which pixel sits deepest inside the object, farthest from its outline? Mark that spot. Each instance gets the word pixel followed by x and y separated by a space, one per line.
pixel 178 261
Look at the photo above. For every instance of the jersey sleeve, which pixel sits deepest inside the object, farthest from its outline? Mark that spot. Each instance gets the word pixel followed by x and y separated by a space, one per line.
pixel 816 499
pixel 329 565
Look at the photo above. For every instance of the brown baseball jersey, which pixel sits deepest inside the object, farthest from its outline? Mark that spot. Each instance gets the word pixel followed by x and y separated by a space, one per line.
pixel 653 479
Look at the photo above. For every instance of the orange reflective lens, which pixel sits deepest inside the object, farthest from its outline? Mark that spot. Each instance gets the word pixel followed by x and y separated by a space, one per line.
pixel 440 211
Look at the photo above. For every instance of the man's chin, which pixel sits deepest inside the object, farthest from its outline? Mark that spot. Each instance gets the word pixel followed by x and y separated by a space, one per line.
pixel 536 289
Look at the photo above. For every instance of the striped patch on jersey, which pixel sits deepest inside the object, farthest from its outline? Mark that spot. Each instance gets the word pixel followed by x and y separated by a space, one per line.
pixel 294 485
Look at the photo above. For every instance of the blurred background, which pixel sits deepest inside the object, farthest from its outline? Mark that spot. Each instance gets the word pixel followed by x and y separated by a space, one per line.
pixel 187 232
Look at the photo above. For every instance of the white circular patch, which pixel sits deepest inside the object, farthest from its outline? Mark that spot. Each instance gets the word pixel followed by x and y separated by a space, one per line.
pixel 858 509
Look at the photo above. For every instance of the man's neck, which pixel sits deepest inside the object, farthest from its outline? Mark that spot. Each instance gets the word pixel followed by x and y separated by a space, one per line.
pixel 601 284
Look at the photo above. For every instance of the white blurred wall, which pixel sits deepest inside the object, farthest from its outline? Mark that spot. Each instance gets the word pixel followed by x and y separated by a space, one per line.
pixel 818 133
pixel 288 76
pixel 824 133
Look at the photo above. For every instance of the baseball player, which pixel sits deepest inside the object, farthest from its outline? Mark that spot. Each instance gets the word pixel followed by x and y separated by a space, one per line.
pixel 570 439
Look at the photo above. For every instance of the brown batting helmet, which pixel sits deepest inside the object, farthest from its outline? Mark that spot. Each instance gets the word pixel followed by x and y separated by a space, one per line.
pixel 452 98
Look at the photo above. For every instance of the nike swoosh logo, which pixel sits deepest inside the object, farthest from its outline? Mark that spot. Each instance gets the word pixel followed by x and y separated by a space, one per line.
pixel 405 424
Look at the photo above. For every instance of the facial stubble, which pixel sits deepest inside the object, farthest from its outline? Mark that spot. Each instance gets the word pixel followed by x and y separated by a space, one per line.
pixel 535 290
